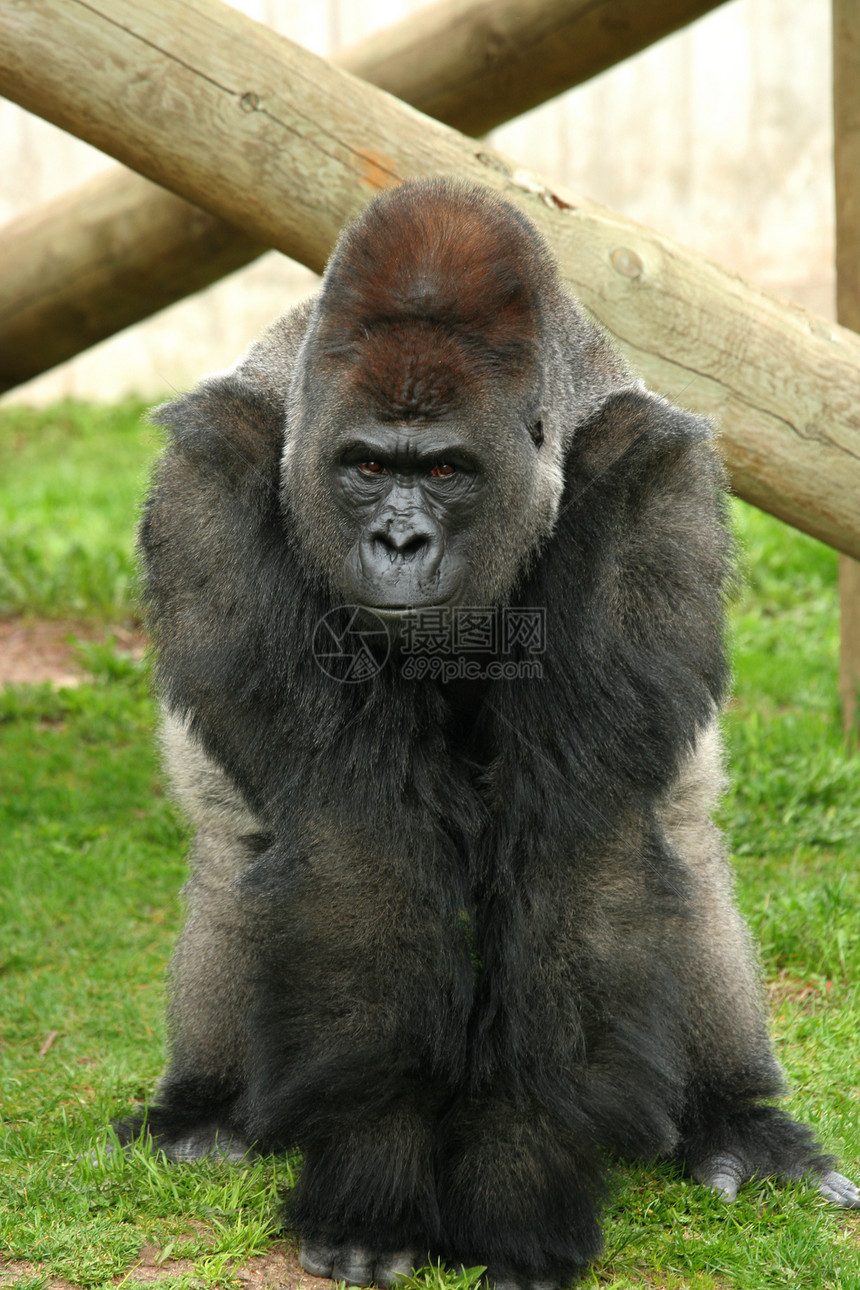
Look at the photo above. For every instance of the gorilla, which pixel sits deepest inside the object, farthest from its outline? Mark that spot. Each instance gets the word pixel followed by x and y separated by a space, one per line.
pixel 437 592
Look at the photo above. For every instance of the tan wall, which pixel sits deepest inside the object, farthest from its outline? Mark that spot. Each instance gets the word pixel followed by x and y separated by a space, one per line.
pixel 718 136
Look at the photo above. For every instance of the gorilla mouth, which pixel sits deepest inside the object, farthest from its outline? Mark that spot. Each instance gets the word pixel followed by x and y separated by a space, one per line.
pixel 403 611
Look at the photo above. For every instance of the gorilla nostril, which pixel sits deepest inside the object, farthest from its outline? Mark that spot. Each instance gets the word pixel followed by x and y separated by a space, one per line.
pixel 403 545
pixel 413 545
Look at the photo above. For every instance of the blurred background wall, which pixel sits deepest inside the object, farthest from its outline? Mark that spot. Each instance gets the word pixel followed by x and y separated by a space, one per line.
pixel 719 136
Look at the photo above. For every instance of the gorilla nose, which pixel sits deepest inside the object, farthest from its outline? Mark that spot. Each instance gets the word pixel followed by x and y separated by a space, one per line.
pixel 403 541
pixel 399 561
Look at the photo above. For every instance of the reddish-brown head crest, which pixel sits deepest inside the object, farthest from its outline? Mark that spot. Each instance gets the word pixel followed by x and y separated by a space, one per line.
pixel 436 284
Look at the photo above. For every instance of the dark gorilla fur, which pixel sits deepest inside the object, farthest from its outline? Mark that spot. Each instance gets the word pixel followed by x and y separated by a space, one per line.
pixel 457 944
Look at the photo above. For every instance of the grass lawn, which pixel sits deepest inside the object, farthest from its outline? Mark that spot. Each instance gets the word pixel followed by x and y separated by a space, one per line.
pixel 91 854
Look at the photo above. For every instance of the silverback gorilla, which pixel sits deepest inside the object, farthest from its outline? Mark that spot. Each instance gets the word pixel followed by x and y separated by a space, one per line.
pixel 458 934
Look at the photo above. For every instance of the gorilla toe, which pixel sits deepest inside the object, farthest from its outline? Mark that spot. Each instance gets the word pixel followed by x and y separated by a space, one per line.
pixel 354 1264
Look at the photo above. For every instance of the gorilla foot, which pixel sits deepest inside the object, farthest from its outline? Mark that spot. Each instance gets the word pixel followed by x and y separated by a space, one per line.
pixel 724 1174
pixel 513 1280
pixel 360 1267
pixel 507 1283
pixel 516 1283
pixel 354 1264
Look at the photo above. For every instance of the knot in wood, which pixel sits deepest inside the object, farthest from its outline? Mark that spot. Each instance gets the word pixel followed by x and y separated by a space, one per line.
pixel 626 262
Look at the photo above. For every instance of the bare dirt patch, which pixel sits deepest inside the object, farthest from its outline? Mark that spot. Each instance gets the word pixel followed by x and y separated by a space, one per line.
pixel 36 650
pixel 278 1268
pixel 789 988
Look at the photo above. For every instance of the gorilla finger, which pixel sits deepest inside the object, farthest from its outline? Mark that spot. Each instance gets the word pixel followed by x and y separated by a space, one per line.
pixel 725 1186
pixel 723 1174
pixel 839 1190
pixel 207 1143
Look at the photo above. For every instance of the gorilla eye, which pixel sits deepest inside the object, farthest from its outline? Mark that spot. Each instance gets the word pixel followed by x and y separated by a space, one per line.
pixel 371 468
pixel 442 470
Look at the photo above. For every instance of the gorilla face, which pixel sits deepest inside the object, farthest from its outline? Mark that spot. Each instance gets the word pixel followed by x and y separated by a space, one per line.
pixel 411 494
pixel 421 504
pixel 416 467
pixel 420 513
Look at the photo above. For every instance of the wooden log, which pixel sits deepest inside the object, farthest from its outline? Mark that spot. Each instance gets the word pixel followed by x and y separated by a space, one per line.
pixel 476 63
pixel 846 163
pixel 118 248
pixel 97 259
pixel 277 141
pixel 849 647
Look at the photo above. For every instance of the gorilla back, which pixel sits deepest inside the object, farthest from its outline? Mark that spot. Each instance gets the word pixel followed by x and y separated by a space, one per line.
pixel 455 930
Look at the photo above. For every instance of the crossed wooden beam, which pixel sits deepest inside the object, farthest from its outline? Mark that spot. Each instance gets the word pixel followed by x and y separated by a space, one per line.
pixel 277 148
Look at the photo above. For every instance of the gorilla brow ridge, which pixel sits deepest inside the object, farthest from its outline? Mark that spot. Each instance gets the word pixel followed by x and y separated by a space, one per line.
pixel 417 369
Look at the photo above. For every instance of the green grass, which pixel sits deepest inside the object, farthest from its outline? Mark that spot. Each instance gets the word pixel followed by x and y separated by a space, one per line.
pixel 67 526
pixel 91 863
